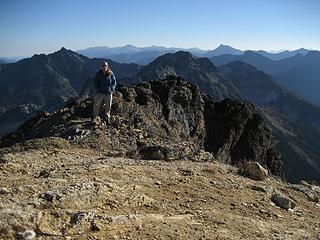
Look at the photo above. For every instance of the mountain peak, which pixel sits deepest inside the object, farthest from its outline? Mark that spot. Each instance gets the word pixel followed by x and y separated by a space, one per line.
pixel 62 50
pixel 41 56
pixel 69 54
pixel 180 57
pixel 224 46
pixel 67 51
pixel 250 53
pixel 183 54
pixel 130 46
pixel 223 49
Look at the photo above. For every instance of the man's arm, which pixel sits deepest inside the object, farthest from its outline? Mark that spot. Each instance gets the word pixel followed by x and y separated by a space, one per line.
pixel 113 82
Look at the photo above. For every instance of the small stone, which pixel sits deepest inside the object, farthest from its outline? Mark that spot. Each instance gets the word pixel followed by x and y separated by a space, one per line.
pixel 28 235
pixel 232 206
pixel 95 226
pixel 50 196
pixel 186 172
pixel 139 227
pixel 278 215
pixel 77 217
pixel 110 185
pixel 4 191
pixel 3 161
pixel 112 202
pixel 18 190
pixel 259 188
pixel 158 183
pixel 304 183
pixel 263 211
pixel 44 174
pixel 136 187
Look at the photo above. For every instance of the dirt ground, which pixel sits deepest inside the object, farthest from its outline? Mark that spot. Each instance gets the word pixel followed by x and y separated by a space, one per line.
pixel 74 193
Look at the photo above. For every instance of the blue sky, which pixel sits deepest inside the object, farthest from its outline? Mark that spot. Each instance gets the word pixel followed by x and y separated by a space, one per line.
pixel 43 26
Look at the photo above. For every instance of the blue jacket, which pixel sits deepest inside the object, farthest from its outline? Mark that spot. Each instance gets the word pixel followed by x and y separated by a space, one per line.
pixel 104 84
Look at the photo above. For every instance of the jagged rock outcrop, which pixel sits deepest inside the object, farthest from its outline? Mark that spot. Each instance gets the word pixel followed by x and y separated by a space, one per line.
pixel 169 119
pixel 294 121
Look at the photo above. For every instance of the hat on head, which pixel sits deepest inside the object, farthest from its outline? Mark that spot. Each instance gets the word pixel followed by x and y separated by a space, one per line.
pixel 104 63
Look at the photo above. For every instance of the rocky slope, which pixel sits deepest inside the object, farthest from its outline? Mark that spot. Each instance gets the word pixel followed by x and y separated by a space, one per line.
pixel 298 143
pixel 63 177
pixel 51 188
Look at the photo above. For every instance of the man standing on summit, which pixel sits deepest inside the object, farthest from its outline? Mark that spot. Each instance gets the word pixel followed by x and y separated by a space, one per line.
pixel 104 85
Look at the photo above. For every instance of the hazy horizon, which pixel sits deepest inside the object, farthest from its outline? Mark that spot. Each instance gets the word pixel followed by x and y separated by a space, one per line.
pixel 43 26
pixel 75 50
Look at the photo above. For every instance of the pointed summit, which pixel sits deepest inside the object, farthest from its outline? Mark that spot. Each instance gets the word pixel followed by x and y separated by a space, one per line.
pixel 224 49
pixel 180 59
pixel 196 70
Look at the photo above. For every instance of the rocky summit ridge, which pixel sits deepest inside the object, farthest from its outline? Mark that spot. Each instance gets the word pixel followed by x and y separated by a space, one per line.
pixel 64 177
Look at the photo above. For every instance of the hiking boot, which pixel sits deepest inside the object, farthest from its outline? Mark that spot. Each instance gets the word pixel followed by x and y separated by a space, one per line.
pixel 96 120
pixel 108 121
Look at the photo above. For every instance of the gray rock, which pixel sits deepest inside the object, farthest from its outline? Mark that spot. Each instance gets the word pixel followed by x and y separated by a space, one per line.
pixel 28 235
pixel 51 196
pixel 315 189
pixel 76 217
pixel 282 200
pixel 259 188
pixel 158 183
pixel 44 174
pixel 310 191
pixel 4 191
pixel 3 160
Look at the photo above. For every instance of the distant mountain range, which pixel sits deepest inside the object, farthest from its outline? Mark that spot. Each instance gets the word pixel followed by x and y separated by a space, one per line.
pixel 299 73
pixel 10 60
pixel 133 54
pixel 145 55
pixel 281 55
pixel 46 82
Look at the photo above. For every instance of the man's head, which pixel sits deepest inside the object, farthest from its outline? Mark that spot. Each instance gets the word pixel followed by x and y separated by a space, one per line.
pixel 104 66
